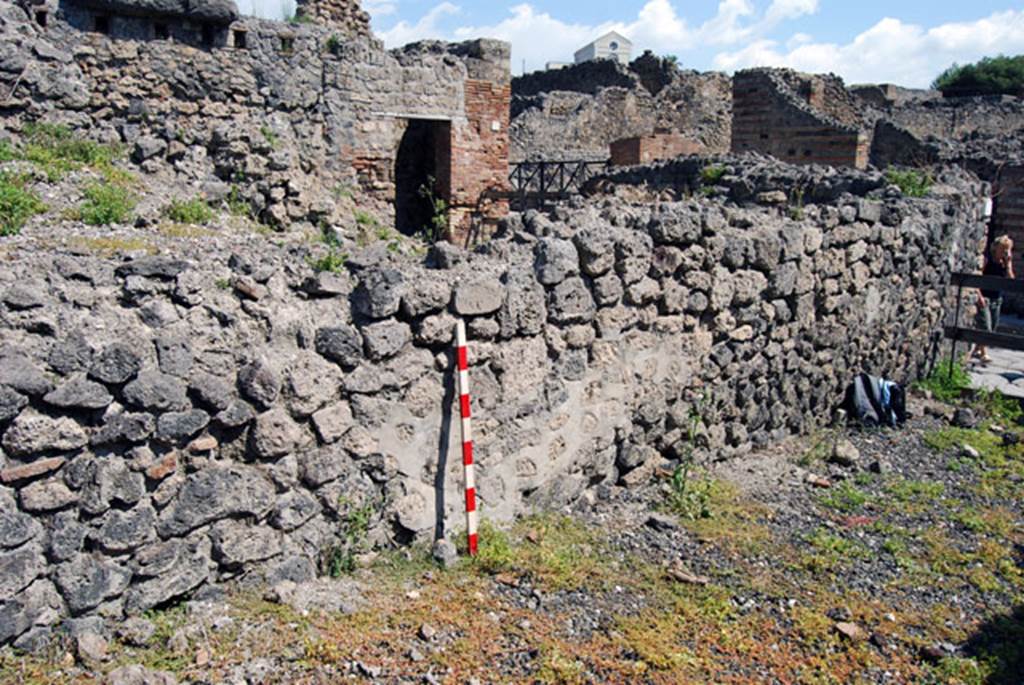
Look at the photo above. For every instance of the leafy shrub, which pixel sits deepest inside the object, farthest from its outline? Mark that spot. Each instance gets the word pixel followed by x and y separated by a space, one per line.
pixel 438 225
pixel 991 76
pixel 911 182
pixel 17 204
pixel 334 44
pixel 194 211
pixel 106 204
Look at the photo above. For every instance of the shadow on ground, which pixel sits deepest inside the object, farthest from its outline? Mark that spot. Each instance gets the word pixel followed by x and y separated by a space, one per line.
pixel 999 642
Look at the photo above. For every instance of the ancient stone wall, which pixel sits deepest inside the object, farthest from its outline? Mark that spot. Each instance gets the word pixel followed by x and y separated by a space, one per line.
pixel 886 95
pixel 954 119
pixel 797 118
pixel 298 112
pixel 578 111
pixel 219 411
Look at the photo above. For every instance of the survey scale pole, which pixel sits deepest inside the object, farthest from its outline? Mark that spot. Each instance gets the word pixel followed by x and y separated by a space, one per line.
pixel 462 357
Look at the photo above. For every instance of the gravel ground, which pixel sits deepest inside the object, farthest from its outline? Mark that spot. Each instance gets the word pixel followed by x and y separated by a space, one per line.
pixel 904 570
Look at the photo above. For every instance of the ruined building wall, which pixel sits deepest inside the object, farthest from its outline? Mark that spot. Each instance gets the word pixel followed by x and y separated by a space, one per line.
pixel 796 118
pixel 297 112
pixel 957 118
pixel 648 149
pixel 216 412
pixel 578 111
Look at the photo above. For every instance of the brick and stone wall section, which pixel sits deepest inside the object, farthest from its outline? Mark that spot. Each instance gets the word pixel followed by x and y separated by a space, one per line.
pixel 176 421
pixel 577 112
pixel 654 148
pixel 298 112
pixel 771 118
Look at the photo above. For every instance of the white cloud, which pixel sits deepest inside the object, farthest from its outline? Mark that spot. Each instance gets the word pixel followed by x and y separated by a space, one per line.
pixel 427 27
pixel 781 10
pixel 891 51
pixel 538 37
pixel 380 8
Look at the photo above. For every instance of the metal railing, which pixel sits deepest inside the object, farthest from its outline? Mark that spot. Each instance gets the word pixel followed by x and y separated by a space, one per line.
pixel 543 181
pixel 957 333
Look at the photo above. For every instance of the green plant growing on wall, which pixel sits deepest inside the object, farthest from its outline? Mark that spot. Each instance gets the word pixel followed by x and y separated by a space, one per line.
pixel 269 136
pixel 333 261
pixel 712 174
pixel 353 528
pixel 689 497
pixel 911 182
pixel 17 204
pixel 333 44
pixel 796 207
pixel 438 226
pixel 56 151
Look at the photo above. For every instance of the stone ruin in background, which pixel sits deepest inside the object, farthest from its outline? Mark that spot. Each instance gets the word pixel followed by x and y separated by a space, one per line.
pixel 293 117
pixel 815 119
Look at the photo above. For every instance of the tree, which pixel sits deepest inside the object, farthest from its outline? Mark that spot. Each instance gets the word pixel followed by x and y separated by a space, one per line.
pixel 991 76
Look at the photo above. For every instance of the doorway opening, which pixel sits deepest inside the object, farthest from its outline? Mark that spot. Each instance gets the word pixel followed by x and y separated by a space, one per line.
pixel 422 168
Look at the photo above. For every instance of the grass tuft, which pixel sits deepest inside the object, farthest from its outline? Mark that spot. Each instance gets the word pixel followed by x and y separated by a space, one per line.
pixel 194 211
pixel 106 204
pixel 946 386
pixel 17 204
pixel 911 182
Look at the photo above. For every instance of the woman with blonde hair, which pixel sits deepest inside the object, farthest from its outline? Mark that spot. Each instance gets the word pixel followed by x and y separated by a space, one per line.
pixel 999 262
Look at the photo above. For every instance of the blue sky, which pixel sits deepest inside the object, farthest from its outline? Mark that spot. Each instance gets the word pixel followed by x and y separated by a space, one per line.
pixel 907 43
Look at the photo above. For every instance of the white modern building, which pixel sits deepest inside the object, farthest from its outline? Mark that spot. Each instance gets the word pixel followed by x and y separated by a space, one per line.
pixel 612 45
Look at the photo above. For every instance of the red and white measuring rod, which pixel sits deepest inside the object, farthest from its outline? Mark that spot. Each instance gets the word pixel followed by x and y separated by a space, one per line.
pixel 467 435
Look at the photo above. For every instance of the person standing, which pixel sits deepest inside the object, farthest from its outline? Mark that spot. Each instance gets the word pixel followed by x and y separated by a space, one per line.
pixel 999 262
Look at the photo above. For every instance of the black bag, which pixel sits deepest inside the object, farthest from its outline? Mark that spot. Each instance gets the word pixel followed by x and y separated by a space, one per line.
pixel 874 401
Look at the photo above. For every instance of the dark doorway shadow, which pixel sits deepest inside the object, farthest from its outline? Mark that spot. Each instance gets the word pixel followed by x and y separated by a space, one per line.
pixel 1000 642
pixel 420 168
pixel 443 445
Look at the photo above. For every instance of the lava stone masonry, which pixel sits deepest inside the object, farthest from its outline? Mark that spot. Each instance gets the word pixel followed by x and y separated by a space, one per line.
pixel 173 422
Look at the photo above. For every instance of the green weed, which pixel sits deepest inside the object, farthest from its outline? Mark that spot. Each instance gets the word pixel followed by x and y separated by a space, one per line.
pixel 911 182
pixel 56 151
pixel 333 262
pixel 438 225
pixel 908 491
pixel 845 498
pixel 17 204
pixel 238 205
pixel 106 204
pixel 194 211
pixel 829 552
pixel 712 174
pixel 269 136
pixel 944 385
pixel 355 524
pixel 689 497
